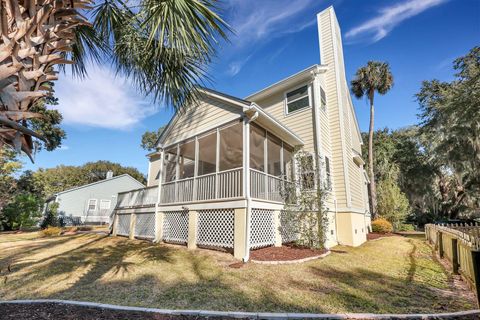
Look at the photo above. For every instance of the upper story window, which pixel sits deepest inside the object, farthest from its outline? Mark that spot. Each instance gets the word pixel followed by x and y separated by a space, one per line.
pixel 323 97
pixel 92 204
pixel 297 99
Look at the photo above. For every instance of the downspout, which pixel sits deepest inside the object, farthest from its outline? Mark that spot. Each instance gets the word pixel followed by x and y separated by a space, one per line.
pixel 251 115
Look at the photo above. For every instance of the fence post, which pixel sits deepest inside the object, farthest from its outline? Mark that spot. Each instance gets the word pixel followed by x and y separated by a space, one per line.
pixel 192 230
pixel 440 244
pixel 132 226
pixel 455 263
pixel 115 225
pixel 476 273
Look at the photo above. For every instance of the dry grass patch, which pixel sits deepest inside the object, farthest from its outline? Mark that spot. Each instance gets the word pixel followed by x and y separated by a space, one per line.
pixel 390 275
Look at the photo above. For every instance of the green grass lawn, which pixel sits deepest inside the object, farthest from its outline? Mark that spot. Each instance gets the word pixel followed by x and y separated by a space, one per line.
pixel 389 275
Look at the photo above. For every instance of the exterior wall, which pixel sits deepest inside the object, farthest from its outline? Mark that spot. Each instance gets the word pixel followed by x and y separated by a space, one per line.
pixel 208 114
pixel 74 203
pixel 154 170
pixel 352 228
pixel 300 122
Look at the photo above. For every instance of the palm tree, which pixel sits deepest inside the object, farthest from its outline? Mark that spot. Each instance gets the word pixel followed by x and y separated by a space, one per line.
pixel 164 46
pixel 374 77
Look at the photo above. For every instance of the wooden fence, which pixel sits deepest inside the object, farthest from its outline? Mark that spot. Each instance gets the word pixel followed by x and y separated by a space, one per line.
pixel 460 245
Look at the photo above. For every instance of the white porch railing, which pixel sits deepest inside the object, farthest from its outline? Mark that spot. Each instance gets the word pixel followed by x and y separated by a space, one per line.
pixel 219 185
pixel 265 186
pixel 146 197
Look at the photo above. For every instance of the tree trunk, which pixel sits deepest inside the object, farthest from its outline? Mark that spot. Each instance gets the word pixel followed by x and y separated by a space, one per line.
pixel 373 192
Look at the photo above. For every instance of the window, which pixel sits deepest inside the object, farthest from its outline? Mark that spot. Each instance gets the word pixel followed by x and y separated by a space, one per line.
pixel 92 204
pixel 186 160
pixel 257 150
pixel 231 147
pixel 207 154
pixel 170 164
pixel 297 99
pixel 328 173
pixel 105 204
pixel 274 150
pixel 323 96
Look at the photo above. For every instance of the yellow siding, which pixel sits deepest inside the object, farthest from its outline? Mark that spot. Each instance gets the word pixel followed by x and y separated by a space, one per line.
pixel 207 114
pixel 153 171
pixel 299 122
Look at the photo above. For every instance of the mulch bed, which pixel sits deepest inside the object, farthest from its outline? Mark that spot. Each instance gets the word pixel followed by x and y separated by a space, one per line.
pixel 287 252
pixel 374 235
pixel 53 311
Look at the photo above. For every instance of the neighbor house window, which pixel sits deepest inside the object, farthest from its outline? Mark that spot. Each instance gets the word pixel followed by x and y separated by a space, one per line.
pixel 105 204
pixel 323 96
pixel 92 204
pixel 328 173
pixel 231 147
pixel 297 99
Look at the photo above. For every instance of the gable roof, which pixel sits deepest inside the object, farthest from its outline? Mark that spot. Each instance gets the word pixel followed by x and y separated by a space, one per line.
pixel 246 106
pixel 98 182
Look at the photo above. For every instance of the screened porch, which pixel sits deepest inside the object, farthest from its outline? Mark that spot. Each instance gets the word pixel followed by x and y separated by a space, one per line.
pixel 212 166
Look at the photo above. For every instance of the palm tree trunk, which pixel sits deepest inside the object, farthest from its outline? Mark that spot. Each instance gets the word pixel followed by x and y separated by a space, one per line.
pixel 373 192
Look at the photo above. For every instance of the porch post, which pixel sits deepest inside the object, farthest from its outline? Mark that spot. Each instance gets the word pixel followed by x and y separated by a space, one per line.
pixel 240 234
pixel 115 225
pixel 159 215
pixel 277 225
pixel 192 230
pixel 242 216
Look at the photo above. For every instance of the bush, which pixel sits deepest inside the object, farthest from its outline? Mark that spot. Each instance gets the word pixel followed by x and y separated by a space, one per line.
pixel 406 227
pixel 23 212
pixel 52 231
pixel 381 225
pixel 51 217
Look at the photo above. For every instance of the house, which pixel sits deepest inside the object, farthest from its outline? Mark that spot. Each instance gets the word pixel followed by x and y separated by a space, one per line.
pixel 216 175
pixel 94 202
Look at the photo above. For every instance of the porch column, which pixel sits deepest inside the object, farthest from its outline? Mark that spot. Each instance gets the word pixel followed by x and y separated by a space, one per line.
pixel 192 230
pixel 240 233
pixel 133 218
pixel 277 225
pixel 158 226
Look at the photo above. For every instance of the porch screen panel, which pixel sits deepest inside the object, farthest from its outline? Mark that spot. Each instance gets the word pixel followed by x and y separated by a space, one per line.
pixel 274 149
pixel 170 164
pixel 231 147
pixel 257 155
pixel 207 155
pixel 288 162
pixel 186 159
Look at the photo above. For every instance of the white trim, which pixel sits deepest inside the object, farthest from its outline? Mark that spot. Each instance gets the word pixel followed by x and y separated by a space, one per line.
pixel 104 201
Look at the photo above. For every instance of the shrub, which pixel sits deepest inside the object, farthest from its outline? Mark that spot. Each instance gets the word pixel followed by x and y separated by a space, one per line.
pixel 381 225
pixel 52 231
pixel 84 228
pixel 406 227
pixel 51 216
pixel 23 212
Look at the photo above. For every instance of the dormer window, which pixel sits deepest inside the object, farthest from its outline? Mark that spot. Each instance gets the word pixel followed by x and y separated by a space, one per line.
pixel 297 99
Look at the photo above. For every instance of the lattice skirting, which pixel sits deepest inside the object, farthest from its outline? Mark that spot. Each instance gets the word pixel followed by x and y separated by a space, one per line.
pixel 287 228
pixel 175 226
pixel 123 228
pixel 262 228
pixel 145 225
pixel 216 228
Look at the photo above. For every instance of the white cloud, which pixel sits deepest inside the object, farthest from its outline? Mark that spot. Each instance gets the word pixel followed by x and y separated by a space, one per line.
pixel 389 17
pixel 64 147
pixel 102 100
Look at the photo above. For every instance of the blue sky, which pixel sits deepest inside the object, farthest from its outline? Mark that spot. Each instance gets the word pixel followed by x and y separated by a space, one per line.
pixel 104 117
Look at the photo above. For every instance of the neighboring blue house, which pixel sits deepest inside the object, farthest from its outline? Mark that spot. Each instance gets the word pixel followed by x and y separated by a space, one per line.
pixel 94 202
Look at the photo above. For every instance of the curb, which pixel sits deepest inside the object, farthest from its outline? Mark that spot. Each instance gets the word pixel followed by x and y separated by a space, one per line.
pixel 255 315
pixel 323 255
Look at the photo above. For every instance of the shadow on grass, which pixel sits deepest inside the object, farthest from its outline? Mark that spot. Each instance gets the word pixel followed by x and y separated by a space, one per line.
pixel 140 273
